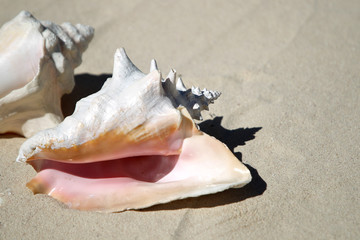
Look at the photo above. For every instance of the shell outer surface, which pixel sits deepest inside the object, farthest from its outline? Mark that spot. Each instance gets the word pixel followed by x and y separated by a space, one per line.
pixel 130 146
pixel 47 53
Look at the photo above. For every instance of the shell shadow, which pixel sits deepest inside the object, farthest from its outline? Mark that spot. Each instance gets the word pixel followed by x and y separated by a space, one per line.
pixel 85 85
pixel 10 135
pixel 232 138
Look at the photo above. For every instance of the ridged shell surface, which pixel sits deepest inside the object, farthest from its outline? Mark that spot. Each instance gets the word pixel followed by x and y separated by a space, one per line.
pixel 131 145
pixel 37 61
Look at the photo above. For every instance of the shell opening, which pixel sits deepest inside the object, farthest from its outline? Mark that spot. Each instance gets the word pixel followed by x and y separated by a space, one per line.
pixel 139 168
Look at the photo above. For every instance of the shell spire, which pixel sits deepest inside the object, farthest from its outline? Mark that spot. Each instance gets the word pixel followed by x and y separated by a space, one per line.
pixel 193 99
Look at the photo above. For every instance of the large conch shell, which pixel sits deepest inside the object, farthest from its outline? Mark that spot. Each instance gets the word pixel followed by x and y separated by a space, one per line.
pixel 37 61
pixel 128 147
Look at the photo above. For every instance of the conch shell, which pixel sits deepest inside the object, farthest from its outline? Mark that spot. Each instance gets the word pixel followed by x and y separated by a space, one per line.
pixel 131 145
pixel 37 61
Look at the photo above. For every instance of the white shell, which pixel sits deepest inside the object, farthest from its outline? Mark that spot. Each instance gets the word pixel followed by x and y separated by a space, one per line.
pixel 130 146
pixel 37 61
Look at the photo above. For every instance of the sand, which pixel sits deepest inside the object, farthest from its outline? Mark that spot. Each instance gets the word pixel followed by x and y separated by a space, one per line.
pixel 289 72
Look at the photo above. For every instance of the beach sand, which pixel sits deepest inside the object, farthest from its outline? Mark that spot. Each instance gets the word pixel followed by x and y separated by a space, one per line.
pixel 289 73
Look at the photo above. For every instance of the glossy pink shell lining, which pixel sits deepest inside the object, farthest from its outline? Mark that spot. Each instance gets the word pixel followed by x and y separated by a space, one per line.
pixel 142 168
pixel 204 166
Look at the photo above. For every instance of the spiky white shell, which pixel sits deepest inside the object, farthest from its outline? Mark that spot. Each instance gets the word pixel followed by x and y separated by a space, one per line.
pixel 37 61
pixel 130 146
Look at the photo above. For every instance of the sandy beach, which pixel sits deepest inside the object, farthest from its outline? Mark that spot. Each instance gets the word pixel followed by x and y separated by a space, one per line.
pixel 289 73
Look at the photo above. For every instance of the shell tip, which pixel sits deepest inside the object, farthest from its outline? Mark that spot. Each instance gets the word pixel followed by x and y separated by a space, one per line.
pixel 153 65
pixel 180 86
pixel 172 75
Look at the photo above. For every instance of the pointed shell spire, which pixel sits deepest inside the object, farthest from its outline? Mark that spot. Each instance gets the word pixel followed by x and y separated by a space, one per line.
pixel 193 99
pixel 123 67
pixel 153 65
